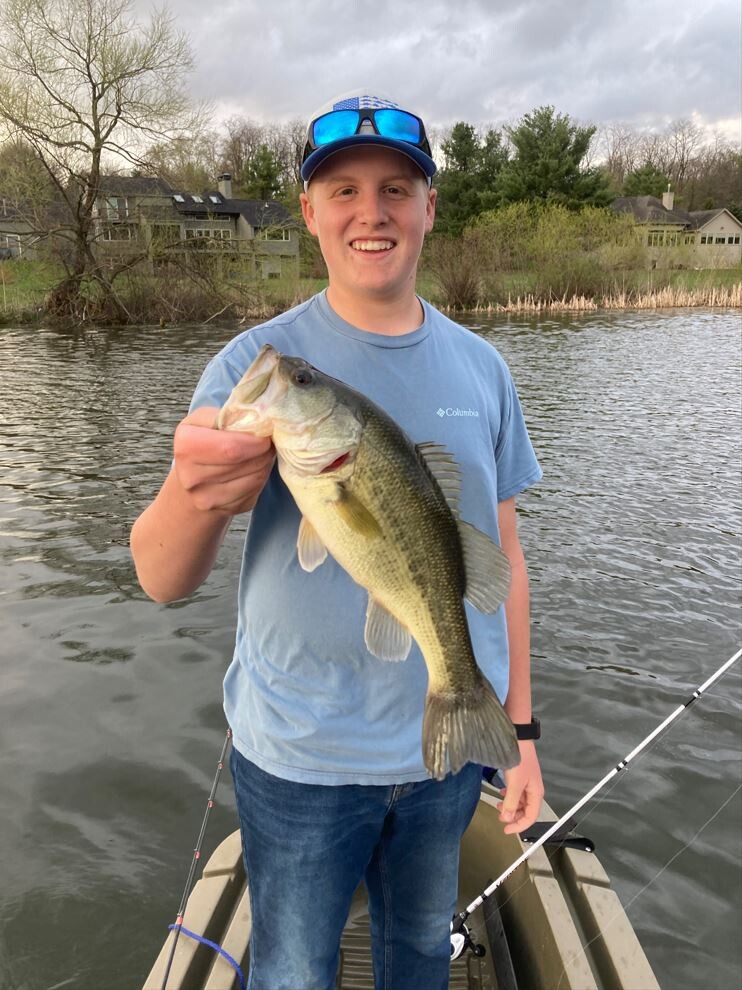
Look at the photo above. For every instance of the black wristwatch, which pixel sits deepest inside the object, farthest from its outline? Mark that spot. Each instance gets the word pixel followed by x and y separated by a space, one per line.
pixel 528 730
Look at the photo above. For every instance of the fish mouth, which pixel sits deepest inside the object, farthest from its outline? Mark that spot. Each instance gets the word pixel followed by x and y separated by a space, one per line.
pixel 258 388
pixel 336 463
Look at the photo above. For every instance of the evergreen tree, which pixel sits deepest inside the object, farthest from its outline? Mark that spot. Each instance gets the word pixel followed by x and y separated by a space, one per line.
pixel 467 185
pixel 548 164
pixel 645 181
pixel 263 175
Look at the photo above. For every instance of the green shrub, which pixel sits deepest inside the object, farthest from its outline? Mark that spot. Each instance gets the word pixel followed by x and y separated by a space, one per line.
pixel 456 268
pixel 552 252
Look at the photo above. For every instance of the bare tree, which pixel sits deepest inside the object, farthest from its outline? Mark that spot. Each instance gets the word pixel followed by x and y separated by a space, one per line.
pixel 87 86
pixel 246 140
pixel 618 150
pixel 188 163
pixel 240 145
pixel 684 141
pixel 294 138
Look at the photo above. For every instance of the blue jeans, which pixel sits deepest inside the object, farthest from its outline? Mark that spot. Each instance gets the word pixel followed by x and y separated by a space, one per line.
pixel 307 847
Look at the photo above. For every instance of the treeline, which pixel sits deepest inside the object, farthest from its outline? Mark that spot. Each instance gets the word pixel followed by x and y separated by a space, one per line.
pixel 544 157
pixel 263 158
pixel 85 86
pixel 548 158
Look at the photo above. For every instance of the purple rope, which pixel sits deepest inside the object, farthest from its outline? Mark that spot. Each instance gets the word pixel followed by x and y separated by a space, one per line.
pixel 217 948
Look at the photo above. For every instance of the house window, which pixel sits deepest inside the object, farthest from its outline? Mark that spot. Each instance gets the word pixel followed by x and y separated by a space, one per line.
pixel 118 207
pixel 197 199
pixel 730 240
pixel 215 199
pixel 11 243
pixel 703 238
pixel 274 234
pixel 720 240
pixel 219 235
pixel 736 239
pixel 112 208
pixel 119 232
pixel 178 198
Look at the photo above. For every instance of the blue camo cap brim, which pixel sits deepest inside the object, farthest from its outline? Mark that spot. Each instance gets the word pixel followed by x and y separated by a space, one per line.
pixel 358 100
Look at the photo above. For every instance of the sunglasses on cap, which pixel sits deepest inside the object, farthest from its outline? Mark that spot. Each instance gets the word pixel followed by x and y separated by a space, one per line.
pixel 388 122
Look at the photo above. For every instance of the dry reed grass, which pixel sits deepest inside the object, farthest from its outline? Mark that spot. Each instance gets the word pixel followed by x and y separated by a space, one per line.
pixel 726 297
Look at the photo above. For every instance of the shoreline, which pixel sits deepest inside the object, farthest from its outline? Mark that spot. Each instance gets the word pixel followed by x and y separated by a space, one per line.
pixel 668 297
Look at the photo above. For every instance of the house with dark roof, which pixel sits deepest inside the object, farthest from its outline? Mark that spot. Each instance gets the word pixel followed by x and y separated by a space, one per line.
pixel 143 220
pixel 142 216
pixel 674 237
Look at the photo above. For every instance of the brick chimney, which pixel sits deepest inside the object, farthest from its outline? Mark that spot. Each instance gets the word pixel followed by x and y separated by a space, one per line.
pixel 225 184
pixel 668 198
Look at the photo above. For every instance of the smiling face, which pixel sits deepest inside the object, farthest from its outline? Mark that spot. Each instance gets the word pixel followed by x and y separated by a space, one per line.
pixel 370 208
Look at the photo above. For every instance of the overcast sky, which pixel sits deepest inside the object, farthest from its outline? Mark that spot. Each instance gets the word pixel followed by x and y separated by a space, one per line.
pixel 644 62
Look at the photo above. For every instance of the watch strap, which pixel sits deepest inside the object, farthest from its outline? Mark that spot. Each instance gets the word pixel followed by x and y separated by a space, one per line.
pixel 528 730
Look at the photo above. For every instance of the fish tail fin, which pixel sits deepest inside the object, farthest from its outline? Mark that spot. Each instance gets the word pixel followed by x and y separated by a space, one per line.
pixel 470 727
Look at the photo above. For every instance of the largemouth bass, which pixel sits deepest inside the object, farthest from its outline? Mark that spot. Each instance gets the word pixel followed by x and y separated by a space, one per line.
pixel 386 510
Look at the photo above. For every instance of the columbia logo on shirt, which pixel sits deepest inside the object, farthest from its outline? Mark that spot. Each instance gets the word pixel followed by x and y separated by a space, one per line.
pixel 455 411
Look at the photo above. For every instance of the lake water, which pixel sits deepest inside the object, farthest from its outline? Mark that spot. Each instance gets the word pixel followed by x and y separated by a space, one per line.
pixel 110 709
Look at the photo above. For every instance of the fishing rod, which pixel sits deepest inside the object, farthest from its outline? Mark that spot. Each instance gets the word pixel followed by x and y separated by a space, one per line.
pixel 178 926
pixel 460 935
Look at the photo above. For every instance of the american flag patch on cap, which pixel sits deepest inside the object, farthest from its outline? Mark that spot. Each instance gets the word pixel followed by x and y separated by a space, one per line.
pixel 364 102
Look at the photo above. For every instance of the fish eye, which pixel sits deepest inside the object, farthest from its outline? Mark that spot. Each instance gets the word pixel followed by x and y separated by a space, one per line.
pixel 302 376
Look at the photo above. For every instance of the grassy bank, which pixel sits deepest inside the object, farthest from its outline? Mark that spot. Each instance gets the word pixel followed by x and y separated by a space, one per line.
pixel 23 288
pixel 171 301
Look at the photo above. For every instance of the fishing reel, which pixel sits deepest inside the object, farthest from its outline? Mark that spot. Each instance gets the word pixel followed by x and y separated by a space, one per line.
pixel 461 939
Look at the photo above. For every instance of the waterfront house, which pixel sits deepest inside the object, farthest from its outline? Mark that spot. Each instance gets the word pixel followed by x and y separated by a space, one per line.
pixel 146 219
pixel 678 238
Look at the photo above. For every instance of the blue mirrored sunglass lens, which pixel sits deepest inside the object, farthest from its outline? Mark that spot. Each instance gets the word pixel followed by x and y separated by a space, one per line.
pixel 399 125
pixel 334 126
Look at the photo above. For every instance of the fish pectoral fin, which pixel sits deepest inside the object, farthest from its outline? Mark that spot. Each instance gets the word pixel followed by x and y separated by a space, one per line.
pixel 385 636
pixel 312 551
pixel 355 514
pixel 487 569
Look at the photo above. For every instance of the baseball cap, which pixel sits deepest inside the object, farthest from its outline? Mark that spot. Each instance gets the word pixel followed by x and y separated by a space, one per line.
pixel 361 118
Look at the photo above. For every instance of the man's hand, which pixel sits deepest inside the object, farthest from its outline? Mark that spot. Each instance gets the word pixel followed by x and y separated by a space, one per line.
pixel 524 791
pixel 221 471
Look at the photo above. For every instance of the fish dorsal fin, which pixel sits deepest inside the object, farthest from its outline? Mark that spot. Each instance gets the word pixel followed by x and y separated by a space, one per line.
pixel 487 569
pixel 355 514
pixel 385 636
pixel 441 464
pixel 312 551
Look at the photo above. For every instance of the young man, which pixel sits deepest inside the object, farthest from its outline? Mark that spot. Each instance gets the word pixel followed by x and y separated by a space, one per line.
pixel 327 763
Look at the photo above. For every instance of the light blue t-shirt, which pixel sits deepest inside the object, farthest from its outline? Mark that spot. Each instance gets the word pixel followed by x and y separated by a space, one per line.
pixel 305 699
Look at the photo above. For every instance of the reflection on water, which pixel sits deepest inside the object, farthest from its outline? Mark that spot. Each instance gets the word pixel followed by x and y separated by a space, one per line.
pixel 110 717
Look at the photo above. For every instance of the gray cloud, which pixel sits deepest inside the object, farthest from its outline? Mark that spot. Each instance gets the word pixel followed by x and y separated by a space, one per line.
pixel 640 61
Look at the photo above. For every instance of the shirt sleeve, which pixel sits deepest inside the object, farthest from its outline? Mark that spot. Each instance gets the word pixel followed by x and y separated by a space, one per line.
pixel 517 466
